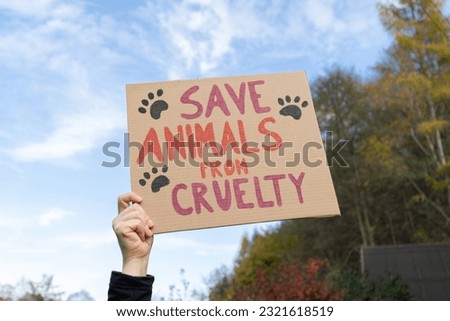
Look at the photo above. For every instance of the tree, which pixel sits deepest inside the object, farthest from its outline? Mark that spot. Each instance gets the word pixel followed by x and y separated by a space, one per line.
pixel 43 290
pixel 414 85
pixel 181 291
pixel 82 295
pixel 265 250
pixel 396 187
pixel 342 109
pixel 27 290
pixel 219 284
pixel 288 281
pixel 357 287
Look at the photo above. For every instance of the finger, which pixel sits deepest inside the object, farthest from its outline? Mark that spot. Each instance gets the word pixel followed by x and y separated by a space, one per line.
pixel 120 225
pixel 144 231
pixel 123 201
pixel 150 225
pixel 150 240
pixel 134 226
pixel 133 211
pixel 148 232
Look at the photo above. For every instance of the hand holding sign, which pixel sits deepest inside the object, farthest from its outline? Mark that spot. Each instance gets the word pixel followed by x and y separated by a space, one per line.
pixel 228 151
pixel 133 228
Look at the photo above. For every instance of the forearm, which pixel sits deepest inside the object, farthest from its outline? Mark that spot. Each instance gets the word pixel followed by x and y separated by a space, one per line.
pixel 135 266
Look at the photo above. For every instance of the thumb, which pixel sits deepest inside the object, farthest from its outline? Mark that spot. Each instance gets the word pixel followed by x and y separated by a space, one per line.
pixel 124 200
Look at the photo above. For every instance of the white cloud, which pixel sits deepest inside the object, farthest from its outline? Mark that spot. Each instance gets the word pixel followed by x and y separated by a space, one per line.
pixel 11 222
pixel 204 36
pixel 319 14
pixel 69 50
pixel 73 58
pixel 28 7
pixel 89 239
pixel 36 43
pixel 11 166
pixel 73 134
pixel 52 215
pixel 201 32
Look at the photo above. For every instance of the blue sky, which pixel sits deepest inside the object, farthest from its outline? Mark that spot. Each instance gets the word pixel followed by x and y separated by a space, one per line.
pixel 64 66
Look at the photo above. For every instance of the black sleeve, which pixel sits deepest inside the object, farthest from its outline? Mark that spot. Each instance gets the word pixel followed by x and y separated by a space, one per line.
pixel 123 287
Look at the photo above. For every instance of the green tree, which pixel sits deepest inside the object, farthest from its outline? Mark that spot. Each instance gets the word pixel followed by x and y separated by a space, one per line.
pixel 219 284
pixel 340 101
pixel 396 187
pixel 413 86
pixel 357 287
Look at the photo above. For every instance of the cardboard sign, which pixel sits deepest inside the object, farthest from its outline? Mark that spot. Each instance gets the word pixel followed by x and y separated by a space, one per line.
pixel 226 151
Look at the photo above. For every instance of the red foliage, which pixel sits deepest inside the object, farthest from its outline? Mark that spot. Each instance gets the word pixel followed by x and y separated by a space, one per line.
pixel 290 281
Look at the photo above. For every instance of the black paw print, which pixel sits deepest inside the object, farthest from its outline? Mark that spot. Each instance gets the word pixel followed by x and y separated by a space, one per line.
pixel 157 107
pixel 159 182
pixel 292 110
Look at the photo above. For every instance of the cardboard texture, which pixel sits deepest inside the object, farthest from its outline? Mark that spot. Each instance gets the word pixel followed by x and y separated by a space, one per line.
pixel 225 151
